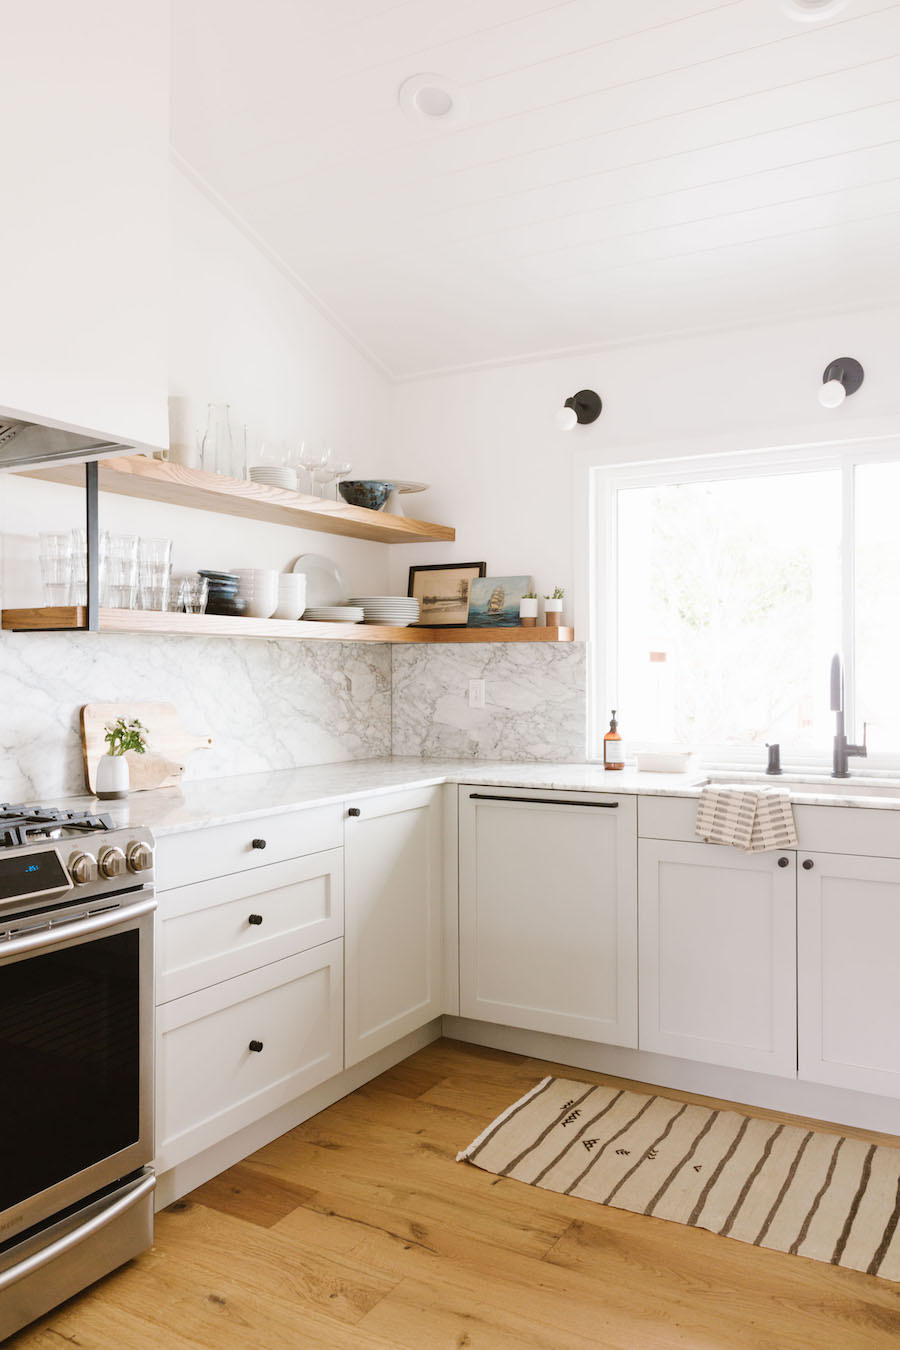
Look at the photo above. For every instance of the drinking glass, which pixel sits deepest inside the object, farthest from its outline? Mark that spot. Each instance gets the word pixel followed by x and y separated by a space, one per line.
pixel 56 568
pixel 154 572
pixel 119 589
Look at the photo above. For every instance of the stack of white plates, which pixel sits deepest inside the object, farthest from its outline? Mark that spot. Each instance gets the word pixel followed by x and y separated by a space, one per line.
pixel 273 476
pixel 395 610
pixel 334 614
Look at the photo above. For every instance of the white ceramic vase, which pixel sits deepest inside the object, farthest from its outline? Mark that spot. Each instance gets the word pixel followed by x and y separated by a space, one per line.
pixel 113 778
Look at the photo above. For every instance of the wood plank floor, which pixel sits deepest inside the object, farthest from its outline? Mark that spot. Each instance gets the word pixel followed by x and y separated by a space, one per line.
pixel 359 1231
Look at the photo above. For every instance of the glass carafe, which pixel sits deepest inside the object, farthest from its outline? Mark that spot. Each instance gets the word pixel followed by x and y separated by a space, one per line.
pixel 221 450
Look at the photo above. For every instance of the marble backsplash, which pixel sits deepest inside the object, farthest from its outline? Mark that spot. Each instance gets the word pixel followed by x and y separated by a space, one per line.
pixel 283 705
pixel 267 705
pixel 535 701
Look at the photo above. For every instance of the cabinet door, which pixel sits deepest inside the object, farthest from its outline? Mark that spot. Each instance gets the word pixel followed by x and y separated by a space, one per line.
pixel 392 916
pixel 84 234
pixel 718 955
pixel 848 929
pixel 548 912
pixel 210 1082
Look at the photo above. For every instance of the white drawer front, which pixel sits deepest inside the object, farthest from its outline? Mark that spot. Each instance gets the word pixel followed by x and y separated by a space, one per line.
pixel 217 929
pixel 220 850
pixel 667 818
pixel 210 1083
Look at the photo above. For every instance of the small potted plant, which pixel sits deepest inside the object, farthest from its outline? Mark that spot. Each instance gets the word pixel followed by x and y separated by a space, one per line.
pixel 113 778
pixel 528 607
pixel 553 607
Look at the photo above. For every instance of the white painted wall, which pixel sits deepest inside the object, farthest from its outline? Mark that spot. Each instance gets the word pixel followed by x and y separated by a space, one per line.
pixel 239 332
pixel 509 481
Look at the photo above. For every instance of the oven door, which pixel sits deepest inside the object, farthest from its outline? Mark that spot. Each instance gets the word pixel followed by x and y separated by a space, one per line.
pixel 76 1058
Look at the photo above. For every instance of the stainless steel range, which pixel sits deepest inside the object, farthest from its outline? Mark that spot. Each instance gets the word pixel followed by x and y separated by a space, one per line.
pixel 76 1054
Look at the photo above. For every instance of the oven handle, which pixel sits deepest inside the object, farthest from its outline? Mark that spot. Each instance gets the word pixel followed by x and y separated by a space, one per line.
pixel 78 1235
pixel 74 928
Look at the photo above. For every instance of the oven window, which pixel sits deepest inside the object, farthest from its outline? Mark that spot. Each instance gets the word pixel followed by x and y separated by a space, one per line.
pixel 69 1062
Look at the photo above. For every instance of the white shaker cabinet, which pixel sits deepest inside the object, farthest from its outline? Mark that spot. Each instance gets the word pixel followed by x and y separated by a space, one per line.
pixel 393 918
pixel 84 107
pixel 718 955
pixel 547 911
pixel 849 991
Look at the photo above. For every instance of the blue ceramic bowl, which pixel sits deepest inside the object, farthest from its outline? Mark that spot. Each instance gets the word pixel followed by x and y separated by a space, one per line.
pixel 369 492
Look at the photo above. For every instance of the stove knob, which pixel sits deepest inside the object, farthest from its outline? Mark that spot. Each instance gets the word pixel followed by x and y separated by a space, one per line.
pixel 82 868
pixel 139 857
pixel 111 862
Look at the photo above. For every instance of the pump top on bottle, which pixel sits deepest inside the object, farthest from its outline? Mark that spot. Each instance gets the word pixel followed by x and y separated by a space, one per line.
pixel 613 746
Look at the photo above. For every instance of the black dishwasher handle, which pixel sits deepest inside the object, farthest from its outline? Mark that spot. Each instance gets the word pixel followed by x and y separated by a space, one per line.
pixel 540 801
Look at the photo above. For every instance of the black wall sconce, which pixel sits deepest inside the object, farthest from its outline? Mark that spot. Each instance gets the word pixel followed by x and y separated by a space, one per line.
pixel 840 378
pixel 579 410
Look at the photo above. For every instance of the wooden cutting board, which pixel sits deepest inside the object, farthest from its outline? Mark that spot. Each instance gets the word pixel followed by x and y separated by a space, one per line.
pixel 168 743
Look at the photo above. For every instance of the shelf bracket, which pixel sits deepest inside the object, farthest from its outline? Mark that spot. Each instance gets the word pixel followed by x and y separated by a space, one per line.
pixel 92 535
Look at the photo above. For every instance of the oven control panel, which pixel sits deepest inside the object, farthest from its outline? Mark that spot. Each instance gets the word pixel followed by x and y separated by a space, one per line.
pixel 47 871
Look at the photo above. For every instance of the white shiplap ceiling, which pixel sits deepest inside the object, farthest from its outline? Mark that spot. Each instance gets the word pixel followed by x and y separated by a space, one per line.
pixel 612 171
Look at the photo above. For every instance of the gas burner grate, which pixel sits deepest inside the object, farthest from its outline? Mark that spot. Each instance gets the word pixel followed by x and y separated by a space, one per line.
pixel 25 824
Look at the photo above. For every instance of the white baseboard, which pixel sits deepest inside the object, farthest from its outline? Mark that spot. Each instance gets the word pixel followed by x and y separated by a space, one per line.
pixel 175 1183
pixel 831 1105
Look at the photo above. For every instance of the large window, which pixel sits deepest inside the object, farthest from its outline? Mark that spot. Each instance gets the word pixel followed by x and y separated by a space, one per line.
pixel 723 591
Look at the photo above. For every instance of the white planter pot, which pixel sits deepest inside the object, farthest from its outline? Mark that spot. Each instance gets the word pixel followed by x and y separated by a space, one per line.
pixel 528 612
pixel 113 778
pixel 552 612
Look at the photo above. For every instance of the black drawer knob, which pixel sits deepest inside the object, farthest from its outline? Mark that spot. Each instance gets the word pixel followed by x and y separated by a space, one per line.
pixel 784 862
pixel 257 843
pixel 255 1046
pixel 354 811
pixel 255 919
pixel 808 864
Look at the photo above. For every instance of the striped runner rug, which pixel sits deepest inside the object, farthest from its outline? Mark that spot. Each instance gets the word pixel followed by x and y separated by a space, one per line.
pixel 796 1190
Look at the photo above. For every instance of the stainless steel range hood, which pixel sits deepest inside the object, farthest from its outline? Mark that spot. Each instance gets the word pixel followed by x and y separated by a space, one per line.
pixel 30 445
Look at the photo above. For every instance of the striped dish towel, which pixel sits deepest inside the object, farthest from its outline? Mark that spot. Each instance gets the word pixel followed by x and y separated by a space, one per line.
pixel 751 819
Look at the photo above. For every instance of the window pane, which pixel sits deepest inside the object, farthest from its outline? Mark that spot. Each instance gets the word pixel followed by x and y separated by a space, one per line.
pixel 878 604
pixel 729 609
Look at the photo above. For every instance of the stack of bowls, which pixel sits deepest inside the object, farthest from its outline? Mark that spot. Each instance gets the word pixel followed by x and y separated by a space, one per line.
pixel 291 595
pixel 258 588
pixel 223 593
pixel 398 611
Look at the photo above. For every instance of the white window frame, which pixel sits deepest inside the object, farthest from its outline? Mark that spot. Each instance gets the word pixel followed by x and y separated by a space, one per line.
pixel 606 480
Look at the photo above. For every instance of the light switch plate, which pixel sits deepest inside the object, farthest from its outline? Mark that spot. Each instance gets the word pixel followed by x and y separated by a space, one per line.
pixel 476 693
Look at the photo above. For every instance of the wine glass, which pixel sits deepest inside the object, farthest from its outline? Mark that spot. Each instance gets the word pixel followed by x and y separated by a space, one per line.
pixel 312 459
pixel 323 473
pixel 342 470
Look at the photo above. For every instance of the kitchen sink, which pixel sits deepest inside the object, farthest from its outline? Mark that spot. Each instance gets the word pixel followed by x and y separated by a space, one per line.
pixel 800 785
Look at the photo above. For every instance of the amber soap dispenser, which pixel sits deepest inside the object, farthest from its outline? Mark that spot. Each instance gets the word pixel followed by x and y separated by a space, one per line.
pixel 613 746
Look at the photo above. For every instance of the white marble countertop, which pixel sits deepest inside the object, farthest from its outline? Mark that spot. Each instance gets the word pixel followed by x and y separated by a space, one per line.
pixel 220 800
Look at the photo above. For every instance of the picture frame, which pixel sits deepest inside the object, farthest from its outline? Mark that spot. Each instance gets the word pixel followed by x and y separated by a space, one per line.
pixel 494 601
pixel 442 590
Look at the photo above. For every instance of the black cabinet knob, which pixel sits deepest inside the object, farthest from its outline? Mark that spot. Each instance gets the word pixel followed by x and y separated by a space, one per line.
pixel 255 1046
pixel 784 862
pixel 257 843
pixel 354 811
pixel 808 864
pixel 254 919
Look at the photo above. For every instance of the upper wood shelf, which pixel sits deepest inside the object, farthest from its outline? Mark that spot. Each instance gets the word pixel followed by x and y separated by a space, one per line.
pixel 158 480
pixel 74 617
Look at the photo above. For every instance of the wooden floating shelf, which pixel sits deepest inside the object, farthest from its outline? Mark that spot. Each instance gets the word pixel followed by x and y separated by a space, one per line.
pixel 157 480
pixel 72 618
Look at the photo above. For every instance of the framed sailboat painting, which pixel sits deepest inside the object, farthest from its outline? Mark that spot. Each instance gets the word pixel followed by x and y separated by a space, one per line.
pixel 494 601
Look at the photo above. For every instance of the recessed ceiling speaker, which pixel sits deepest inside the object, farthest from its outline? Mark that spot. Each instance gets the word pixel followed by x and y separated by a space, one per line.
pixel 812 11
pixel 428 98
